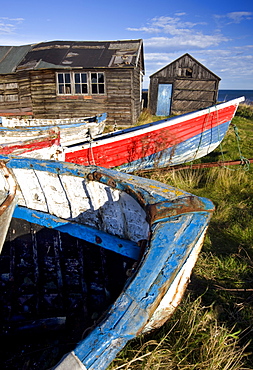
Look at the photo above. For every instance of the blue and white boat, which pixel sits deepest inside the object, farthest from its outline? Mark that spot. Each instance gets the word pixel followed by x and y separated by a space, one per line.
pixel 101 257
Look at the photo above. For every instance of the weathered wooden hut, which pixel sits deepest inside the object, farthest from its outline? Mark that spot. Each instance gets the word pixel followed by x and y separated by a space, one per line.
pixel 183 86
pixel 60 79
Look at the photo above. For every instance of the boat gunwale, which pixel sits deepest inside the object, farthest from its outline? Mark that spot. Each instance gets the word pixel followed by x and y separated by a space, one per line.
pixel 104 139
pixel 143 191
pixel 97 119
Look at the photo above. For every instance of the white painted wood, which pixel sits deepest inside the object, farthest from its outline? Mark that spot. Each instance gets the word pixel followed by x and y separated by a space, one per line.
pixel 29 192
pixel 55 195
pixel 88 202
pixel 136 226
pixel 71 362
pixel 78 198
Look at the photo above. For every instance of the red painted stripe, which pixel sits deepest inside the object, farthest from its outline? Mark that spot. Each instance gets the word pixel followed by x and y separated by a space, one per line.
pixel 29 145
pixel 130 148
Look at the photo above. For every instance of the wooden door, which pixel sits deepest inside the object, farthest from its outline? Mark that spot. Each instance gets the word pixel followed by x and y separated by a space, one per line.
pixel 164 99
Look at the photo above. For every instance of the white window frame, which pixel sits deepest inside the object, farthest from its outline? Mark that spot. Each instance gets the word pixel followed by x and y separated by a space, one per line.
pixel 66 85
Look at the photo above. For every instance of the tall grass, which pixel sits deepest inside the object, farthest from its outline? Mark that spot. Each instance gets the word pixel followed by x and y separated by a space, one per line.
pixel 212 328
pixel 192 339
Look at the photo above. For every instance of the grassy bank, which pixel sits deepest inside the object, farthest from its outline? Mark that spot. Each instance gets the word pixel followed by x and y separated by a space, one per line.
pixel 212 328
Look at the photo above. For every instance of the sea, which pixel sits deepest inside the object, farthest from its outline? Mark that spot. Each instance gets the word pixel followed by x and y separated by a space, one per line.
pixel 225 95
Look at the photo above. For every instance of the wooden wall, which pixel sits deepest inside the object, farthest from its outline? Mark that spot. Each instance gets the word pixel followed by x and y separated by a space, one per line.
pixel 193 86
pixel 36 91
pixel 15 94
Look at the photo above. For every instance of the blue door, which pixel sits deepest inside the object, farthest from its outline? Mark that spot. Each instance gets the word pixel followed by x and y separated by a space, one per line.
pixel 164 99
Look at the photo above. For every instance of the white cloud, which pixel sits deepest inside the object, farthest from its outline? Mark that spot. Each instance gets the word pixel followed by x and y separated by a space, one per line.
pixel 144 29
pixel 234 17
pixel 198 40
pixel 9 25
pixel 237 17
pixel 168 25
pixel 178 14
pixel 177 33
pixel 6 28
pixel 13 19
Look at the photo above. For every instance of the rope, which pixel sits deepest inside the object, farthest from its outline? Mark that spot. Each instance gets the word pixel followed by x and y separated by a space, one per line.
pixel 202 133
pixel 245 163
pixel 91 151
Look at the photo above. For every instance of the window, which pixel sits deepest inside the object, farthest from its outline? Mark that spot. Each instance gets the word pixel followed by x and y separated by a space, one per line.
pixel 64 85
pixel 97 83
pixel 188 72
pixel 84 83
pixel 81 83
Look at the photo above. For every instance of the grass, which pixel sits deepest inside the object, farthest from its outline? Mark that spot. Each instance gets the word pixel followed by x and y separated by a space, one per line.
pixel 212 328
pixel 193 339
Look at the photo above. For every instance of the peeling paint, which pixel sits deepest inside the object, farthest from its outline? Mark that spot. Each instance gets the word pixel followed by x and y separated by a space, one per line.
pixel 162 226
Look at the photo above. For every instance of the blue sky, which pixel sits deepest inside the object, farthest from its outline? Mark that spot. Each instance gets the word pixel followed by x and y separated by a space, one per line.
pixel 219 34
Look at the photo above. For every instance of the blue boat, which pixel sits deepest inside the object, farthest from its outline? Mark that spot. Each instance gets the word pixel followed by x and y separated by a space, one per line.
pixel 114 251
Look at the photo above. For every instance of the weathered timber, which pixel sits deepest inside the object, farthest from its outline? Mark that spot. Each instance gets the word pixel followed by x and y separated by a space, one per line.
pixel 31 86
pixel 193 86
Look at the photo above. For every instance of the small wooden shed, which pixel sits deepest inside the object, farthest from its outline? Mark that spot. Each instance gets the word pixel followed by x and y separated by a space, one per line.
pixel 60 79
pixel 183 86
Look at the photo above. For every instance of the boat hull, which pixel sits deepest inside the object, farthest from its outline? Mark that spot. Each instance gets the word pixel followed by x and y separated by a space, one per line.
pixel 169 142
pixel 163 143
pixel 71 130
pixel 157 228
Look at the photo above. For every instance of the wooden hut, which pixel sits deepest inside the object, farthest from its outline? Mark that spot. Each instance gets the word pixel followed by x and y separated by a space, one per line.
pixel 183 86
pixel 60 79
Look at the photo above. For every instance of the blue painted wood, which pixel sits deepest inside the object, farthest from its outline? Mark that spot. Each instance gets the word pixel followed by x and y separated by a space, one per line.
pixel 111 242
pixel 177 221
pixel 130 312
pixel 101 118
pixel 184 152
pixel 164 99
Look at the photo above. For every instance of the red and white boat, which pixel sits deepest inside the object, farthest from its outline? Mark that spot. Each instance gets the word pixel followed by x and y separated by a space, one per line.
pixel 71 130
pixel 158 144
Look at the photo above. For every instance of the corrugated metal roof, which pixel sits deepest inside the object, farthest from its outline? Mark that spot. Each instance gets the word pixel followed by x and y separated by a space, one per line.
pixel 70 54
pixel 11 56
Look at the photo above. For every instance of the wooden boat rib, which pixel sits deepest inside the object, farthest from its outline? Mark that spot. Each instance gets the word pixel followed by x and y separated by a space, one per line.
pixel 158 230
pixel 7 202
pixel 163 143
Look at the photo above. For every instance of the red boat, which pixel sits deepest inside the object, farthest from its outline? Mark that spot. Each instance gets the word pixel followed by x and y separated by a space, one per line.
pixel 168 142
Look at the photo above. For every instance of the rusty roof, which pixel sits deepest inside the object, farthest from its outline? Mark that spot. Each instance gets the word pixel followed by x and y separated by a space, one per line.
pixel 71 54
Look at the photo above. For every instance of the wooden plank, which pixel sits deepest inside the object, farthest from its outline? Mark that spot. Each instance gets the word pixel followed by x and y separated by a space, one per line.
pixel 111 242
pixel 55 196
pixel 32 196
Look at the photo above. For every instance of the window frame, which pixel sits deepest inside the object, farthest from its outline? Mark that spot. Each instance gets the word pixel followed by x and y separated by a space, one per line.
pixel 62 85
